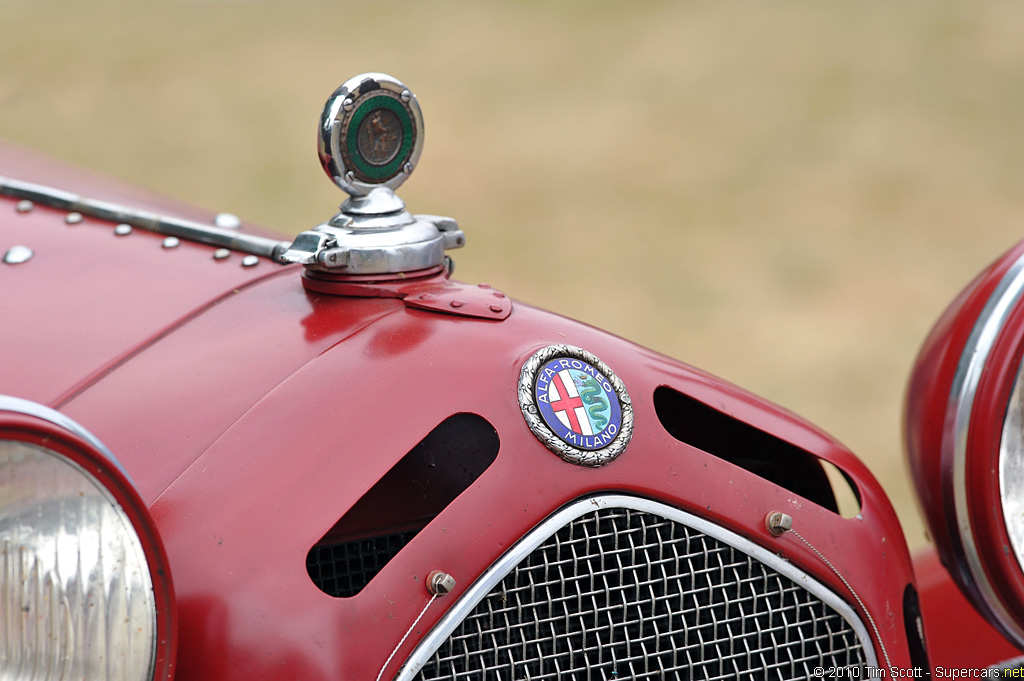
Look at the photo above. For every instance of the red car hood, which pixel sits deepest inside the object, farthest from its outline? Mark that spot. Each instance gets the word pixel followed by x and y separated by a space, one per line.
pixel 88 299
pixel 251 412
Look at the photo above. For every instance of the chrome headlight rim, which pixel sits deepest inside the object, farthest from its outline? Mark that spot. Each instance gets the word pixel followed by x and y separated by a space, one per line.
pixel 29 423
pixel 973 448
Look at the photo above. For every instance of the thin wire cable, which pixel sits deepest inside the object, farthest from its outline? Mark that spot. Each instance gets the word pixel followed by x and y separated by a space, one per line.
pixel 864 609
pixel 400 643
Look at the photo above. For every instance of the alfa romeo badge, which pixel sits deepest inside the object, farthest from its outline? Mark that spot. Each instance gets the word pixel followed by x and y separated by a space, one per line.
pixel 576 405
pixel 371 134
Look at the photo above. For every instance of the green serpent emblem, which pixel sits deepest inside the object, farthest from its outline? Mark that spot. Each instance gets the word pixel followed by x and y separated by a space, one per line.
pixel 593 395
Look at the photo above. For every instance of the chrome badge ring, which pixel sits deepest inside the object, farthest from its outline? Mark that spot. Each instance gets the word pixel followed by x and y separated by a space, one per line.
pixel 370 134
pixel 575 405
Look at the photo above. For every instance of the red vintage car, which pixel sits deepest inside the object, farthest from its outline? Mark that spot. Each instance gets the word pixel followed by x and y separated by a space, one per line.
pixel 227 456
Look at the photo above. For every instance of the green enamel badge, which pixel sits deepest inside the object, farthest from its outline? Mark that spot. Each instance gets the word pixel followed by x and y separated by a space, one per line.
pixel 371 134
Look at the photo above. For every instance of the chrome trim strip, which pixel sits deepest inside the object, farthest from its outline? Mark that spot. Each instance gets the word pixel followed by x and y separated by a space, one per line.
pixel 39 411
pixel 161 224
pixel 962 394
pixel 507 562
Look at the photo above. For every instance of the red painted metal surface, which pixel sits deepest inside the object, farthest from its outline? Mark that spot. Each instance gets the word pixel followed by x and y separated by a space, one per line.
pixel 929 436
pixel 958 636
pixel 88 299
pixel 253 413
pixel 240 519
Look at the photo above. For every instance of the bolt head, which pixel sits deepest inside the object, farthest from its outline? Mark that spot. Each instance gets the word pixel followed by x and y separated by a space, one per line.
pixel 440 583
pixel 777 523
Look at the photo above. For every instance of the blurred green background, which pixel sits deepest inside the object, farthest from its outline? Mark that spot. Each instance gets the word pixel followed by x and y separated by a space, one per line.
pixel 784 194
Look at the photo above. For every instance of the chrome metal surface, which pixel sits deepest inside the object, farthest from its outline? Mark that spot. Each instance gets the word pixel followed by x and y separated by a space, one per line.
pixel 24 206
pixel 184 229
pixel 73 218
pixel 356 250
pixel 1011 470
pixel 528 405
pixel 370 139
pixel 171 242
pixel 380 201
pixel 36 410
pixel 250 261
pixel 123 229
pixel 16 255
pixel 337 146
pixel 227 221
pixel 968 375
pixel 221 254
pixel 621 587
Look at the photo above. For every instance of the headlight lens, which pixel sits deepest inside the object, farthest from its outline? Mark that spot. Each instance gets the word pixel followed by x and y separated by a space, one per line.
pixel 1011 470
pixel 76 594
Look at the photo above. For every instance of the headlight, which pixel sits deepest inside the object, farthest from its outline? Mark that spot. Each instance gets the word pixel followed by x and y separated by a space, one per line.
pixel 965 440
pixel 84 588
pixel 1011 471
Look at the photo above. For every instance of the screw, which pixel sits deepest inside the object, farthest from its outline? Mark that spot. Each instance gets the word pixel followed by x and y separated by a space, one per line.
pixel 123 229
pixel 777 523
pixel 406 95
pixel 227 221
pixel 457 303
pixel 18 254
pixel 250 261
pixel 73 218
pixel 171 242
pixel 221 253
pixel 496 308
pixel 350 177
pixel 24 206
pixel 347 104
pixel 408 169
pixel 440 583
pixel 427 296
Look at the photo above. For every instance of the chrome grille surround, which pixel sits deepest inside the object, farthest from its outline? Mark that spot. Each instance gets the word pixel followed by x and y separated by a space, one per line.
pixel 615 587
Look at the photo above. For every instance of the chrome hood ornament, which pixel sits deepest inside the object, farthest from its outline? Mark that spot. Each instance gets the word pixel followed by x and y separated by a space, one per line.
pixel 369 141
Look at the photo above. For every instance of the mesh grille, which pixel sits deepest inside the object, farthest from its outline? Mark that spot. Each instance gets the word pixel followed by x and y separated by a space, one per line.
pixel 626 594
pixel 342 570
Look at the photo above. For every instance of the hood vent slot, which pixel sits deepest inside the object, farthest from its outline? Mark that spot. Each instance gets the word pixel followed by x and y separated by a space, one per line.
pixel 389 516
pixel 726 437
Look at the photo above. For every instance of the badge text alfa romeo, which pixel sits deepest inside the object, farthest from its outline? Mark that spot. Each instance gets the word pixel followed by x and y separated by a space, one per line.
pixel 576 405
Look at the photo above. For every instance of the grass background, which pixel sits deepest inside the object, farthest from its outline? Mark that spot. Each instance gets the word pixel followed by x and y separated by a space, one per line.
pixel 784 194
